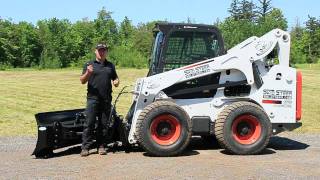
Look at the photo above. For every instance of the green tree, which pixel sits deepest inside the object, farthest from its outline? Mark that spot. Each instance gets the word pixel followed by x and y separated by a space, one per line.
pixel 241 24
pixel 248 10
pixel 134 47
pixel 299 41
pixel 106 28
pixel 264 8
pixel 28 45
pixel 235 10
pixel 274 19
pixel 143 38
pixel 126 32
pixel 313 45
pixel 7 55
pixel 82 38
pixel 60 42
pixel 244 21
pixel 235 31
pixel 243 10
pixel 56 43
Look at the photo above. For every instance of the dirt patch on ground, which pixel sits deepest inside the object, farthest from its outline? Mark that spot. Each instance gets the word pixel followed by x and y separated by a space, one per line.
pixel 287 156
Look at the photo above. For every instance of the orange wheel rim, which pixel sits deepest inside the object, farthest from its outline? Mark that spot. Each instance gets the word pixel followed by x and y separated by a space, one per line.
pixel 165 129
pixel 246 129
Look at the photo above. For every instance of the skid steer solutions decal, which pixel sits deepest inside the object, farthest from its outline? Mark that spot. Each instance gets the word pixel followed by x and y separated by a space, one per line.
pixel 277 97
pixel 196 71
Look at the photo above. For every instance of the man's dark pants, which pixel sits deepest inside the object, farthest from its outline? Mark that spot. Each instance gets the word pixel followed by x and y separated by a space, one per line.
pixel 96 108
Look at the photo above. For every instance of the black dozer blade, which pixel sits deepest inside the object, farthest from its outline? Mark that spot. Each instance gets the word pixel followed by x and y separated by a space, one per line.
pixel 61 129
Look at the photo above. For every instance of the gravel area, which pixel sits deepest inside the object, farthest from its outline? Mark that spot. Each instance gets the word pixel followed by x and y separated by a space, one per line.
pixel 288 156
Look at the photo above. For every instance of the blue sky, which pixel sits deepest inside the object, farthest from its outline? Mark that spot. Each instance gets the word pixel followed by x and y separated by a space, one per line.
pixel 200 11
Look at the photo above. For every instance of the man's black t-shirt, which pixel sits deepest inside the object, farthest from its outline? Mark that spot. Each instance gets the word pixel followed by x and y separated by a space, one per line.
pixel 99 83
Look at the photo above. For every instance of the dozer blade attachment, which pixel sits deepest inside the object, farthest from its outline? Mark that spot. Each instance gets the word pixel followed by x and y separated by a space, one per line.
pixel 64 128
pixel 57 130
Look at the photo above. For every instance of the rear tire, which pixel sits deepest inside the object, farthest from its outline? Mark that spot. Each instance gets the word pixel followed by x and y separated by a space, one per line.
pixel 243 128
pixel 164 129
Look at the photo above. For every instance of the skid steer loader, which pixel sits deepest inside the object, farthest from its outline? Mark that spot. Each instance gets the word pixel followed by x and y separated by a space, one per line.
pixel 194 86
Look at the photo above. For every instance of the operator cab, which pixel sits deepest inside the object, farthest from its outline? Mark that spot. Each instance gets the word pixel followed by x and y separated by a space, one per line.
pixel 177 44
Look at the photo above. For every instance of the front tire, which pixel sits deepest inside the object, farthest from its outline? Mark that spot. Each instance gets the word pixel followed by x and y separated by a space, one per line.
pixel 164 129
pixel 243 128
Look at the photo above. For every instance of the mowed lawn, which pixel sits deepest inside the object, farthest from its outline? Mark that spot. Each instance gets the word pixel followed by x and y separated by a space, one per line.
pixel 24 93
pixel 310 98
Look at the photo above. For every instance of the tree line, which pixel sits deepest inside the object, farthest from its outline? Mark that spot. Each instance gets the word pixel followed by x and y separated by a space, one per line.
pixel 255 19
pixel 58 43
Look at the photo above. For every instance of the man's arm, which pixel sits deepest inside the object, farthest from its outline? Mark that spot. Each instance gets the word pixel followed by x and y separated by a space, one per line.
pixel 85 77
pixel 115 78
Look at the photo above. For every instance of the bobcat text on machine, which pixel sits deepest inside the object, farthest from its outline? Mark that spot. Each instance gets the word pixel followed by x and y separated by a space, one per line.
pixel 194 87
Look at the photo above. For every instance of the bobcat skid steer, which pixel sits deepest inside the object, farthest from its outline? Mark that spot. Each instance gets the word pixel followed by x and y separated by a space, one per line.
pixel 240 97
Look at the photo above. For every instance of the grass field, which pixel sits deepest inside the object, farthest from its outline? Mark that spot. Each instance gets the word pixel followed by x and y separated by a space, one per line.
pixel 24 93
pixel 310 98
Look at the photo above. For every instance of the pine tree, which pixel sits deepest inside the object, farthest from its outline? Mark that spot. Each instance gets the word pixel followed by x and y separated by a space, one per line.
pixel 126 31
pixel 234 10
pixel 243 10
pixel 313 48
pixel 264 8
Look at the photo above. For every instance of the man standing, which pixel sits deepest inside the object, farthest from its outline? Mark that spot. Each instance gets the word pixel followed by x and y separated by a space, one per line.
pixel 99 74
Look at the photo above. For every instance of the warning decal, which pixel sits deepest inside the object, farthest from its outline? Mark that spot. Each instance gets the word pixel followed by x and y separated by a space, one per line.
pixel 196 71
pixel 277 94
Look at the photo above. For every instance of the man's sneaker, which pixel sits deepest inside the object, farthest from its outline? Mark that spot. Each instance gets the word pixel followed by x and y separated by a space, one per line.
pixel 102 150
pixel 84 152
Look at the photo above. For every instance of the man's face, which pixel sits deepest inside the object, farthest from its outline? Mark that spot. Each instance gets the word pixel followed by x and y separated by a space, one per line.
pixel 101 54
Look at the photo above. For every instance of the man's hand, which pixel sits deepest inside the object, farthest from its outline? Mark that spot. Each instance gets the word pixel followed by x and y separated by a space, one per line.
pixel 85 77
pixel 116 82
pixel 90 69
